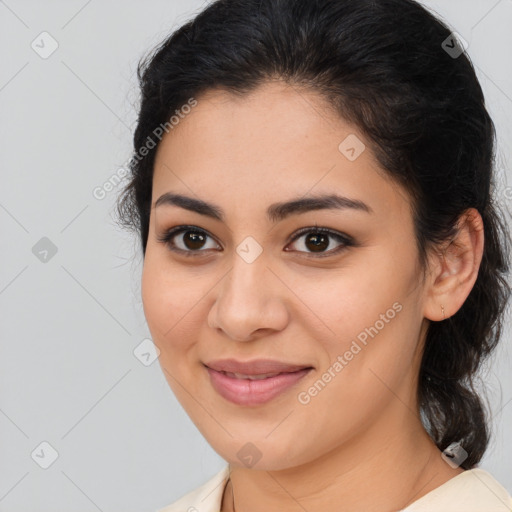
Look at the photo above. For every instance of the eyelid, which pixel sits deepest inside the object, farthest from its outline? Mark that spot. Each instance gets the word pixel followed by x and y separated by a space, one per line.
pixel 345 240
pixel 169 234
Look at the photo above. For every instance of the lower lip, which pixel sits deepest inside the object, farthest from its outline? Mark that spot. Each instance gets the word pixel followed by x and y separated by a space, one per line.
pixel 254 392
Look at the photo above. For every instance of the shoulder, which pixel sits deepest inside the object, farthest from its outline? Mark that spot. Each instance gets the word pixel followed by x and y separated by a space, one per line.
pixel 205 498
pixel 474 490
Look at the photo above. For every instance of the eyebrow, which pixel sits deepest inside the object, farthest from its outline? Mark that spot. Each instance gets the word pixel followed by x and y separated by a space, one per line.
pixel 275 212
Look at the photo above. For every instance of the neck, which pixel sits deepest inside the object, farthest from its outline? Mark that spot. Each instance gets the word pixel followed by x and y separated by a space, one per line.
pixel 385 467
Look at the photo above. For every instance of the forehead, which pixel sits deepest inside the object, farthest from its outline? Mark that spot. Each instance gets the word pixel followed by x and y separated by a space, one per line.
pixel 275 141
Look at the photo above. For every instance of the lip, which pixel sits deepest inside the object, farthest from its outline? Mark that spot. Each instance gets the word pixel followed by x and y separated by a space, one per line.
pixel 253 392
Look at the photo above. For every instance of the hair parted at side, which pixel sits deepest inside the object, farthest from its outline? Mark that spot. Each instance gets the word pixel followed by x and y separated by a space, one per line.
pixel 382 66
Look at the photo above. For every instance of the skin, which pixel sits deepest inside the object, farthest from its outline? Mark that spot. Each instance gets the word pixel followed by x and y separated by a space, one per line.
pixel 361 436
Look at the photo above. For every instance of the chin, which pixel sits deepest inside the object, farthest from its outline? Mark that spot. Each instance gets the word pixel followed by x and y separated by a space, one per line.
pixel 263 455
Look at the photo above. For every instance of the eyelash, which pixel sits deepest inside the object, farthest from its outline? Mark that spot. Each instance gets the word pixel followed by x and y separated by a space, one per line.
pixel 346 241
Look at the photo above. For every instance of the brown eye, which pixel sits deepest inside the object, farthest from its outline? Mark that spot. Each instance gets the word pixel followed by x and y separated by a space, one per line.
pixel 319 240
pixel 193 239
pixel 188 240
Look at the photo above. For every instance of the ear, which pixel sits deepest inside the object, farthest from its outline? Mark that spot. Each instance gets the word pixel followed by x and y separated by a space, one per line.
pixel 454 268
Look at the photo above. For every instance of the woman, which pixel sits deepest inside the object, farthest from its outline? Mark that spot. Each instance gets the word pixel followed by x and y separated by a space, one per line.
pixel 324 265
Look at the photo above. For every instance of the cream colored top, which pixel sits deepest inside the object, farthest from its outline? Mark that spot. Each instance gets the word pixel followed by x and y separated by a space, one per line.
pixel 475 490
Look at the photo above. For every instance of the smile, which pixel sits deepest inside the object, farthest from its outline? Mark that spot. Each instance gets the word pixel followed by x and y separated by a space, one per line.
pixel 254 389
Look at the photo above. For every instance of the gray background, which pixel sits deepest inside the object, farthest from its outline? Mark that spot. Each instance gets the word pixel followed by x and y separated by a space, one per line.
pixel 70 324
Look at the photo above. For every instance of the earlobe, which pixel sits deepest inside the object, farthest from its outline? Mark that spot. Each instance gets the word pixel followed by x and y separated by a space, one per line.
pixel 456 268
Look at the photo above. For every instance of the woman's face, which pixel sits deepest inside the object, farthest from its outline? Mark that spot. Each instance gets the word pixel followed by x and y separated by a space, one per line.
pixel 340 313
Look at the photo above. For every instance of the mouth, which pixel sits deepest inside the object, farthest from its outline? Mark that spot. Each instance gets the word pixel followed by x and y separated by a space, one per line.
pixel 255 382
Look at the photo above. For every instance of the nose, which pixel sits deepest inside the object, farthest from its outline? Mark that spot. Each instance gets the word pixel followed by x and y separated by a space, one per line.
pixel 251 301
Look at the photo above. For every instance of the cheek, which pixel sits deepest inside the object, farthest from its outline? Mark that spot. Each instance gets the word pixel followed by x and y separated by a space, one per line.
pixel 370 317
pixel 348 302
pixel 168 301
pixel 171 306
pixel 158 309
pixel 363 371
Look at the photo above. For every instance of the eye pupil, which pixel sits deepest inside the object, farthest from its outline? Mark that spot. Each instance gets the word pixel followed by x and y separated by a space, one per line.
pixel 320 242
pixel 194 239
pixel 188 241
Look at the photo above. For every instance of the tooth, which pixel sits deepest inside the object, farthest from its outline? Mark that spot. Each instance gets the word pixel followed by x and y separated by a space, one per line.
pixel 267 375
pixel 250 377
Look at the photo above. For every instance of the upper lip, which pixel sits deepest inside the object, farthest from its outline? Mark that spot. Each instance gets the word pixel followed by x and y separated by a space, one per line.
pixel 254 367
